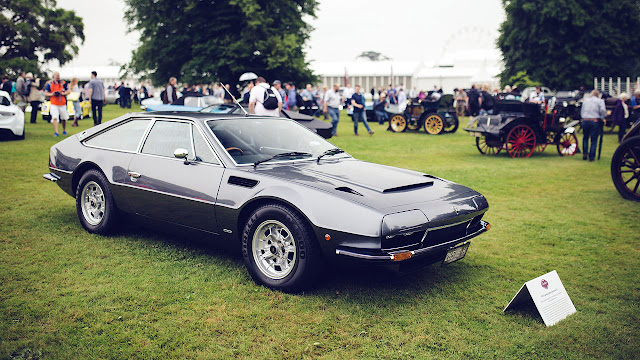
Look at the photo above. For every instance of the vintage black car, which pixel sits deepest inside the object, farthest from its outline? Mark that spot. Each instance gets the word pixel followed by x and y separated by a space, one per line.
pixel 290 199
pixel 523 128
pixel 435 116
pixel 625 165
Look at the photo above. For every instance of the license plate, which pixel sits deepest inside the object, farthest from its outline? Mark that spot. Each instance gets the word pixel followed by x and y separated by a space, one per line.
pixel 455 253
pixel 475 134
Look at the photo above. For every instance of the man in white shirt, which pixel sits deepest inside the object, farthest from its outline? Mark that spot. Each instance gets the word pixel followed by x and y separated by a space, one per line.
pixel 537 97
pixel 347 93
pixel 261 99
pixel 332 106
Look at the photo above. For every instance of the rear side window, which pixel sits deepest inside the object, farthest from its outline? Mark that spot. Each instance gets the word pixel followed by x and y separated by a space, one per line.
pixel 167 136
pixel 125 136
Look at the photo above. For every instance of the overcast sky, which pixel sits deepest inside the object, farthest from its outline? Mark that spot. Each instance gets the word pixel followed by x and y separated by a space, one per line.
pixel 400 29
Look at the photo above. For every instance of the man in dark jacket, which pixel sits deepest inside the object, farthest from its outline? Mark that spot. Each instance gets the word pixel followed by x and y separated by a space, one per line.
pixel 487 102
pixel 170 94
pixel 474 101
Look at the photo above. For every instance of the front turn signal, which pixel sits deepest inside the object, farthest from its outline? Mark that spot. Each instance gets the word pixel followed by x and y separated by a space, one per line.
pixel 488 227
pixel 402 256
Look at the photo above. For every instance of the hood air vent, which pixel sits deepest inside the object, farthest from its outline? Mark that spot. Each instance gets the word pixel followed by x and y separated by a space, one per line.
pixel 409 187
pixel 248 183
pixel 348 190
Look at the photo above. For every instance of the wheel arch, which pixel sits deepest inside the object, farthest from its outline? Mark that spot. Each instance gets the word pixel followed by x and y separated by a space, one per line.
pixel 80 170
pixel 250 206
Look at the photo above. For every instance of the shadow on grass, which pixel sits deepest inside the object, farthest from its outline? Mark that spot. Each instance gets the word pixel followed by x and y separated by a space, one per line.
pixel 352 284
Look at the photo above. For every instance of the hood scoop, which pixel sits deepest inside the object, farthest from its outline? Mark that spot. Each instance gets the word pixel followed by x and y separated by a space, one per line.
pixel 408 187
pixel 348 190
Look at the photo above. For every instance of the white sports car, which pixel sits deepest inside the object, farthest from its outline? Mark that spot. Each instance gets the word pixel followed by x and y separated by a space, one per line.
pixel 11 117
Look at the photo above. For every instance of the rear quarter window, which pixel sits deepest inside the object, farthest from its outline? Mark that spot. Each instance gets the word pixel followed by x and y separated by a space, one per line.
pixel 124 137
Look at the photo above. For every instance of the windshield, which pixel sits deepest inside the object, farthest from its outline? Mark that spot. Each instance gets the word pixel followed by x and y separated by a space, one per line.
pixel 248 140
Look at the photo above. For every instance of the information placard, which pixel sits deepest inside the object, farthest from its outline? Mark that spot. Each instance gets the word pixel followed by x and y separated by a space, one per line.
pixel 549 297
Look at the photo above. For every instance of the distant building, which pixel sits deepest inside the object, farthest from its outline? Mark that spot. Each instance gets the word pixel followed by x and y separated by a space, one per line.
pixel 470 57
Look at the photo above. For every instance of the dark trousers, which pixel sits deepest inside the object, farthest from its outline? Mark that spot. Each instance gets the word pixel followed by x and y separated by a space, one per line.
pixel 96 110
pixel 623 129
pixel 35 105
pixel 590 131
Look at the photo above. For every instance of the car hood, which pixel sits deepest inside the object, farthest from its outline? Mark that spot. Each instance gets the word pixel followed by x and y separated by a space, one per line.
pixel 377 186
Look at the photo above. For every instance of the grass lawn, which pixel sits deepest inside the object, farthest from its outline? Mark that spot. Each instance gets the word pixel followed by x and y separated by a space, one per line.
pixel 66 294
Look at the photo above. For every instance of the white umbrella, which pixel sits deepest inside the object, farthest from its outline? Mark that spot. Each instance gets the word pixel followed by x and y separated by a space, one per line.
pixel 248 76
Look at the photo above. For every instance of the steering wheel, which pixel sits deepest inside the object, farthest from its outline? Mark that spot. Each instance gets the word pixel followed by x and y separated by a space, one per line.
pixel 233 148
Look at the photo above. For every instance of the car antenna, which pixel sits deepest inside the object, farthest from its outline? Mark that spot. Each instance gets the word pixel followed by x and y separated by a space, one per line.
pixel 234 99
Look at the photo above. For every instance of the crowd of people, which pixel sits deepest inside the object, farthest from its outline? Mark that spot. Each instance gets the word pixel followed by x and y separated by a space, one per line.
pixel 29 91
pixel 267 99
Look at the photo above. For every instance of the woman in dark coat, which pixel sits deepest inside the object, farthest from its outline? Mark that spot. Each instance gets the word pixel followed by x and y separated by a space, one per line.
pixel 620 115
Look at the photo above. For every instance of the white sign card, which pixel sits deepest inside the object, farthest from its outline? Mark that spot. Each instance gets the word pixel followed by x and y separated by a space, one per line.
pixel 549 297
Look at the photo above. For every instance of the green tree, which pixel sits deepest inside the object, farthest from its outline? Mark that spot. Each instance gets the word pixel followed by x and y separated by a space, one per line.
pixel 522 80
pixel 33 32
pixel 566 43
pixel 203 41
pixel 373 56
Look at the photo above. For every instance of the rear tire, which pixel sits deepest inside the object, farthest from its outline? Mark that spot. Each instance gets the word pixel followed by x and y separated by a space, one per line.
pixel 280 250
pixel 453 127
pixel 434 124
pixel 521 141
pixel 95 206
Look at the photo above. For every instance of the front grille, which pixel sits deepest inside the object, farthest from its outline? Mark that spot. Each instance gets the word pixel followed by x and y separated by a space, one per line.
pixel 439 236
pixel 400 241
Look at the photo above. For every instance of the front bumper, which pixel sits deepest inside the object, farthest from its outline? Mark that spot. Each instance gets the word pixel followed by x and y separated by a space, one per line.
pixel 397 256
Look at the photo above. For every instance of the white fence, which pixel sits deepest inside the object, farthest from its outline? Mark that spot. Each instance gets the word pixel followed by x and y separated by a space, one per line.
pixel 616 86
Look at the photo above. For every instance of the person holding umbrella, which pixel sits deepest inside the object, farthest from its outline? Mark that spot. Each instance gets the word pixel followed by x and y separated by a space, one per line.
pixel 592 112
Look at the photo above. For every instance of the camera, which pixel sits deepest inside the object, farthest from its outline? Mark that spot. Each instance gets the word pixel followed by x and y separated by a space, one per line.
pixel 57 93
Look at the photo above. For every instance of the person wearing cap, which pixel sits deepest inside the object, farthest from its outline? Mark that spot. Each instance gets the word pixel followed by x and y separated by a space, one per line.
pixel 620 115
pixel 277 84
pixel 592 112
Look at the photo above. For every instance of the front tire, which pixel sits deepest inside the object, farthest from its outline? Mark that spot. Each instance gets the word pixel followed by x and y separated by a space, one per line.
pixel 398 123
pixel 625 169
pixel 279 249
pixel 95 206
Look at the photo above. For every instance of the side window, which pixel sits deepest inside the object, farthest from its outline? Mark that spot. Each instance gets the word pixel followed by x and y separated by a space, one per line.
pixel 126 136
pixel 203 151
pixel 167 136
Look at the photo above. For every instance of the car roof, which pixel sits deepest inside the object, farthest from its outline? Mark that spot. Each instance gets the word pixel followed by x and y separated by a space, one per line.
pixel 191 115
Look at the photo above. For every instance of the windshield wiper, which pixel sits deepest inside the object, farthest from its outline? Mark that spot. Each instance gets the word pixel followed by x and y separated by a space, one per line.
pixel 276 156
pixel 330 152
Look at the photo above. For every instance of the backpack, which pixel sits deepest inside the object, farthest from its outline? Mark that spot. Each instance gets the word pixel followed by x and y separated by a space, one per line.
pixel 163 96
pixel 270 100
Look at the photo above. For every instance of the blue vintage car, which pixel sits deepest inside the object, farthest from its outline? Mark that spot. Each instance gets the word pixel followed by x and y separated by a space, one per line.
pixel 188 103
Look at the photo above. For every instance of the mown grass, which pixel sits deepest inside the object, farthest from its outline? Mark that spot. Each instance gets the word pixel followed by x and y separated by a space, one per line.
pixel 145 294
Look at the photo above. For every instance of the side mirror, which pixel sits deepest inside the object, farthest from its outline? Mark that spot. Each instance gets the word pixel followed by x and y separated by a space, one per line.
pixel 181 153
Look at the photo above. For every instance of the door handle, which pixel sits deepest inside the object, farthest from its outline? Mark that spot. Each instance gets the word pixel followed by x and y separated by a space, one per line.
pixel 134 174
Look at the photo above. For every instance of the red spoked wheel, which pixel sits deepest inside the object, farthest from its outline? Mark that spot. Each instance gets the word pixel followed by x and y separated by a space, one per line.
pixel 568 145
pixel 487 147
pixel 521 141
